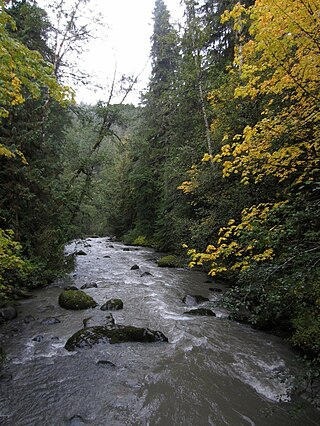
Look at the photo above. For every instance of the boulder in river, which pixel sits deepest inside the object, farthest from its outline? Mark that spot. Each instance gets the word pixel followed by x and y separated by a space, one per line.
pixel 76 300
pixel 146 274
pixel 28 319
pixel 112 305
pixel 87 337
pixel 201 312
pixel 38 339
pixel 105 363
pixel 134 267
pixel 194 299
pixel 8 313
pixel 50 321
pixel 81 253
pixel 89 285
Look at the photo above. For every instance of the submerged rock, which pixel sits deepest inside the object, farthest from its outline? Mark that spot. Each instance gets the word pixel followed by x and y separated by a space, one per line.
pixel 89 285
pixel 8 313
pixel 194 299
pixel 134 267
pixel 105 363
pixel 76 421
pixel 38 339
pixel 201 312
pixel 112 305
pixel 28 319
pixel 76 300
pixel 146 274
pixel 50 321
pixel 87 337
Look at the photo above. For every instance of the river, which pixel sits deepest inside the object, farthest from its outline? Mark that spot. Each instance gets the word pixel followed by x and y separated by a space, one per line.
pixel 212 372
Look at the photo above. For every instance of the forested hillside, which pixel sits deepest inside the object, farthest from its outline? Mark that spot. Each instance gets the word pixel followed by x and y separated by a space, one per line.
pixel 219 164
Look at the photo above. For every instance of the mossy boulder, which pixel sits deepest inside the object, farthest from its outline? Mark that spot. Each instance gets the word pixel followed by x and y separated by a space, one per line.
pixel 76 300
pixel 112 305
pixel 169 261
pixel 87 337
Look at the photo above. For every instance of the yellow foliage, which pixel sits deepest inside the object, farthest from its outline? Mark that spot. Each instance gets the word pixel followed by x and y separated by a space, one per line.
pixel 232 248
pixel 24 70
pixel 281 59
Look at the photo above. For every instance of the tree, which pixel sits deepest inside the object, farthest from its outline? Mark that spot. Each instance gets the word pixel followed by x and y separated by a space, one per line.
pixel 23 70
pixel 26 75
pixel 271 246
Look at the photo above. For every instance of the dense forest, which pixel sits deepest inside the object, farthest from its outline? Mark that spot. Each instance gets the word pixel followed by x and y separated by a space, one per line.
pixel 219 165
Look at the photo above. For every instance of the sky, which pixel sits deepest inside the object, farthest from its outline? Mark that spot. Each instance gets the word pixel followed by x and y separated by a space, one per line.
pixel 122 43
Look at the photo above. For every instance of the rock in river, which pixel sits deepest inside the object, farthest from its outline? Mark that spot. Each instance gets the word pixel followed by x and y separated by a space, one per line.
pixel 50 321
pixel 76 300
pixel 87 337
pixel 81 253
pixel 201 312
pixel 134 267
pixel 112 305
pixel 8 313
pixel 192 300
pixel 89 285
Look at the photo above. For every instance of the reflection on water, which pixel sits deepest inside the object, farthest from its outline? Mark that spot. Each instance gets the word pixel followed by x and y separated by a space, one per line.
pixel 212 371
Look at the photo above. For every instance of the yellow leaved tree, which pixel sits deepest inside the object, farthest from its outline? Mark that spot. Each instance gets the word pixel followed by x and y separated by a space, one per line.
pixel 280 68
pixel 280 61
pixel 23 73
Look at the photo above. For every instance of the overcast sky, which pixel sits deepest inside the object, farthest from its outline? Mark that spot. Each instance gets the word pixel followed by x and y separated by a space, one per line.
pixel 123 43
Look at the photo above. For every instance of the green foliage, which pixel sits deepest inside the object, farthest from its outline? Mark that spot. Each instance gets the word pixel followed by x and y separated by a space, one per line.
pixel 169 261
pixel 14 270
pixel 23 70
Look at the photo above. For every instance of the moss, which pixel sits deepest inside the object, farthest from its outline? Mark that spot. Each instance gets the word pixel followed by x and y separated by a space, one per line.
pixel 169 261
pixel 76 300
pixel 88 337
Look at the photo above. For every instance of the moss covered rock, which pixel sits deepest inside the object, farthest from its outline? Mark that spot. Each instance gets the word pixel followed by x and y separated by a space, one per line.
pixel 169 261
pixel 88 337
pixel 76 300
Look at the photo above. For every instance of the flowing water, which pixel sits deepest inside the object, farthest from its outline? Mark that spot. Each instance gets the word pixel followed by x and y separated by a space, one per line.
pixel 212 372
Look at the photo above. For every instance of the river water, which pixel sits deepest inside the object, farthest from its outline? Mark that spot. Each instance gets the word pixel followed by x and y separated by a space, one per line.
pixel 212 372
